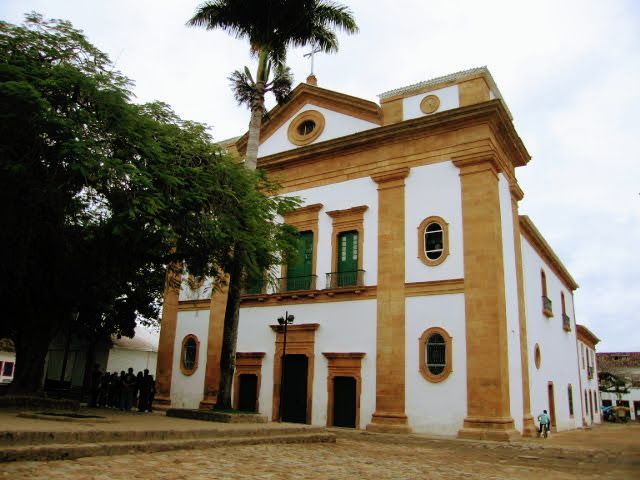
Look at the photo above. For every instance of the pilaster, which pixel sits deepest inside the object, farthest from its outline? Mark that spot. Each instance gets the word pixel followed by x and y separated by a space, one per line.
pixel 528 425
pixel 488 408
pixel 166 343
pixel 389 415
pixel 217 309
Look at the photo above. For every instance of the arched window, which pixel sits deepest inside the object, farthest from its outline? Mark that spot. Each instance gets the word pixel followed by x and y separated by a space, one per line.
pixel 189 354
pixel 435 354
pixel 433 241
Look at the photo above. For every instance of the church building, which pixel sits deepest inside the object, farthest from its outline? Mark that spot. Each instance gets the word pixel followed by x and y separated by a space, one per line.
pixel 422 300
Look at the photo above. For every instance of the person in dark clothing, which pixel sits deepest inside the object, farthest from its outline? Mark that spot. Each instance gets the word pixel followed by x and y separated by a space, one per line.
pixel 137 390
pixel 103 393
pixel 114 390
pixel 128 387
pixel 147 391
pixel 96 376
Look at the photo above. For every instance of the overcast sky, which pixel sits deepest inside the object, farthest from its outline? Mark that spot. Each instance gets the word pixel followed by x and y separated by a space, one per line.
pixel 568 70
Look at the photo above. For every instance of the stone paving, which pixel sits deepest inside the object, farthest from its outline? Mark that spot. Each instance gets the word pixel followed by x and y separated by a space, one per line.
pixel 610 451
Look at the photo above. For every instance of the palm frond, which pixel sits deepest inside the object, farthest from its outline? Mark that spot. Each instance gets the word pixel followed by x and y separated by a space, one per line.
pixel 243 87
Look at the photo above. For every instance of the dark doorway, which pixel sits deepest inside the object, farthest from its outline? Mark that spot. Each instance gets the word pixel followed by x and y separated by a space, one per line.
pixel 248 392
pixel 294 389
pixel 344 402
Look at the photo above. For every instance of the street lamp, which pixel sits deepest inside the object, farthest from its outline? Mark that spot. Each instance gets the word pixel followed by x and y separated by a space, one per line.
pixel 283 321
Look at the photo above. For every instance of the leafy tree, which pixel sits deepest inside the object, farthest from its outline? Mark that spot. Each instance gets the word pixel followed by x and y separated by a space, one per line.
pixel 612 383
pixel 271 27
pixel 98 195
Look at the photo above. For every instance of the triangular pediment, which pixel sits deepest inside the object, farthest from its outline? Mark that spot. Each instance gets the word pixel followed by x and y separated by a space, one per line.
pixel 306 96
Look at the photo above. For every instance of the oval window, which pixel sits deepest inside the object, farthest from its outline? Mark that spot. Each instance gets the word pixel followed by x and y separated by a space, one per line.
pixel 435 354
pixel 189 354
pixel 306 127
pixel 433 241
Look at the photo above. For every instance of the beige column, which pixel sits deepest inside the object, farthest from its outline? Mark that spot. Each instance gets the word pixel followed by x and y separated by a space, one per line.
pixel 217 309
pixel 528 426
pixel 488 409
pixel 166 343
pixel 389 415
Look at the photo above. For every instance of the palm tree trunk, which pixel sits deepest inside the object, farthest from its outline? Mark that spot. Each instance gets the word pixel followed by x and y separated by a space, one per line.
pixel 251 158
pixel 230 333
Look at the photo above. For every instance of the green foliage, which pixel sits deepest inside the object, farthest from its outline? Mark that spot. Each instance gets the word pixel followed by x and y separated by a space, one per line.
pixel 98 195
pixel 612 383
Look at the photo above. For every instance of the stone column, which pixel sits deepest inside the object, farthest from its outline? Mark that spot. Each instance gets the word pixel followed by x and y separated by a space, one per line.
pixel 217 309
pixel 166 343
pixel 488 408
pixel 528 426
pixel 389 415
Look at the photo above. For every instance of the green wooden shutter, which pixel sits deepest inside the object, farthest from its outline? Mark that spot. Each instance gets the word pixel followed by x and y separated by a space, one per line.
pixel 347 259
pixel 299 269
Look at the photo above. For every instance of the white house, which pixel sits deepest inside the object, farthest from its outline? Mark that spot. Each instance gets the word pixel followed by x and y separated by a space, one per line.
pixel 423 300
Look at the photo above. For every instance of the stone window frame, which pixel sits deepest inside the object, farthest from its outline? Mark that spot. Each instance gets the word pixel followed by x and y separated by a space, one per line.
pixel 305 219
pixel 422 343
pixel 348 220
pixel 297 138
pixel 422 255
pixel 189 371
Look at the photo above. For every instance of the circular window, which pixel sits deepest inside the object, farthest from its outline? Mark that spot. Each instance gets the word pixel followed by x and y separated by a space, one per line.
pixel 433 241
pixel 536 356
pixel 435 354
pixel 429 104
pixel 189 354
pixel 306 127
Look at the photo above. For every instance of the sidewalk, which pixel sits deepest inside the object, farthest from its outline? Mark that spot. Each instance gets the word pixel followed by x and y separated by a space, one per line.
pixel 127 432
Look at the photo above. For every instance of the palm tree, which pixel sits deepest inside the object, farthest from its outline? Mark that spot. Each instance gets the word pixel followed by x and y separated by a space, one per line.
pixel 271 26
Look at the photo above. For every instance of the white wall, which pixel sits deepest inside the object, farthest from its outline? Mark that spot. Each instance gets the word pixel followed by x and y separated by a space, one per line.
pixel 557 347
pixel 449 98
pixel 341 196
pixel 590 385
pixel 511 298
pixel 433 190
pixel 335 125
pixel 187 390
pixel 436 408
pixel 344 327
pixel 122 358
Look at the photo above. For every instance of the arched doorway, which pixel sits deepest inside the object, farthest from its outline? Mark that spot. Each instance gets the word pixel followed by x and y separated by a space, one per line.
pixel 294 388
pixel 344 402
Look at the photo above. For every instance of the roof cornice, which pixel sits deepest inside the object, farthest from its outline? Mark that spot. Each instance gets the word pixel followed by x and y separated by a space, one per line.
pixel 492 112
pixel 586 336
pixel 537 241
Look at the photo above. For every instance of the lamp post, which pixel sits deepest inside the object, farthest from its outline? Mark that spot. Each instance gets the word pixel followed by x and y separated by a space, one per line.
pixel 283 321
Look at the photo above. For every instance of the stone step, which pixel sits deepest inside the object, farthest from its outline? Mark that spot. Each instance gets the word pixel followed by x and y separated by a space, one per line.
pixel 77 450
pixel 27 437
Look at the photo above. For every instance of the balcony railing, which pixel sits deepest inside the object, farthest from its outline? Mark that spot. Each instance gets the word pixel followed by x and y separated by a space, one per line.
pixel 354 278
pixel 546 306
pixel 255 287
pixel 566 322
pixel 291 284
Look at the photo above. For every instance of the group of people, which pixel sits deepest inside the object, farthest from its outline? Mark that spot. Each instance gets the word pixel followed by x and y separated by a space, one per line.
pixel 124 391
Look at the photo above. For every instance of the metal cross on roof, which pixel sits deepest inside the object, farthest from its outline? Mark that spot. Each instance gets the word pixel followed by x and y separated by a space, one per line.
pixel 311 54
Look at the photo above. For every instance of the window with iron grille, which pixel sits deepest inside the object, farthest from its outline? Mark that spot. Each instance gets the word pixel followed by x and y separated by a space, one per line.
pixel 435 354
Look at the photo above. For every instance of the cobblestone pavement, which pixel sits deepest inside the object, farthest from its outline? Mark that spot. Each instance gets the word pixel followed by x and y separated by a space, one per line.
pixel 351 458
